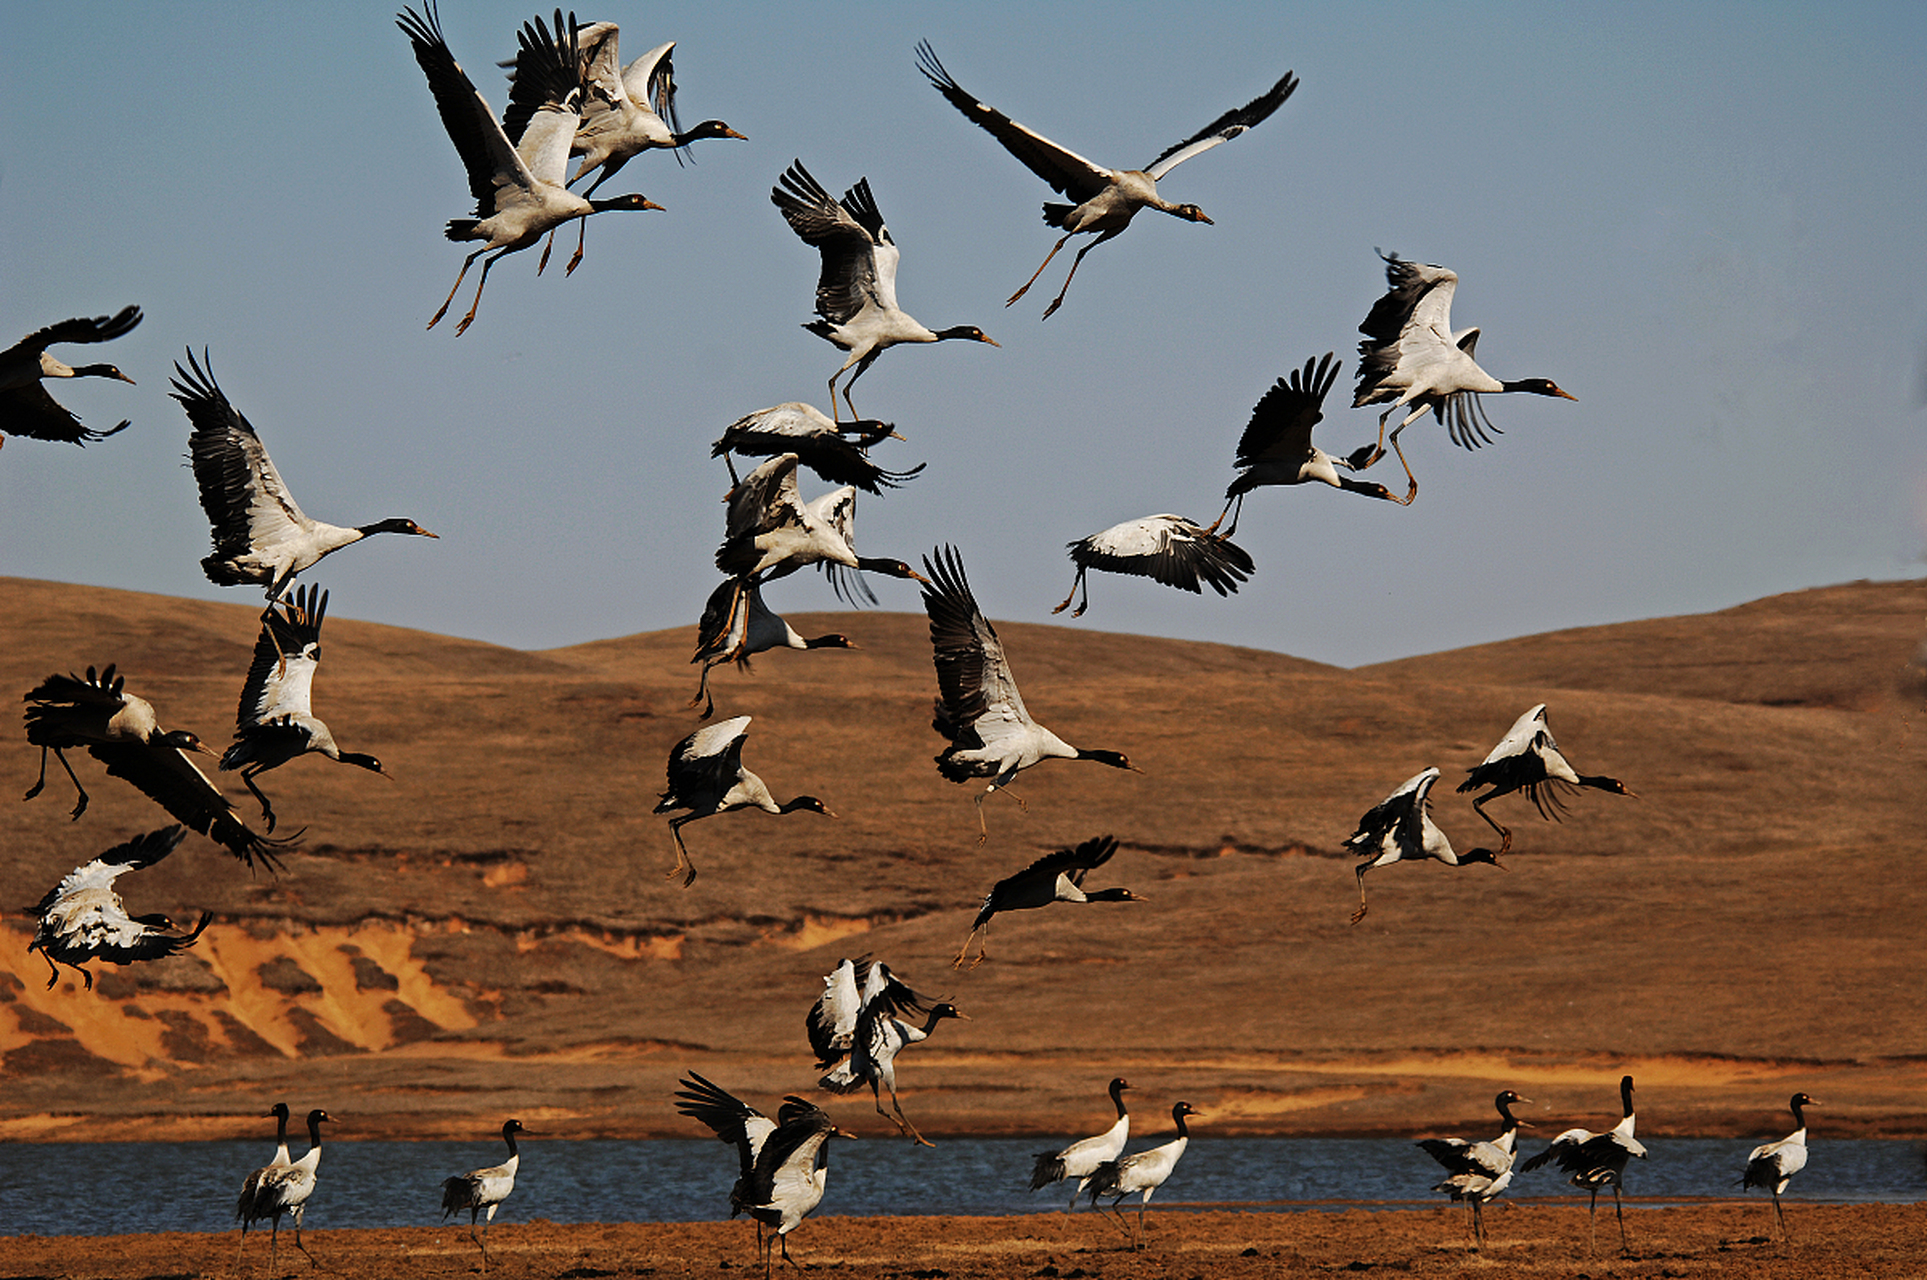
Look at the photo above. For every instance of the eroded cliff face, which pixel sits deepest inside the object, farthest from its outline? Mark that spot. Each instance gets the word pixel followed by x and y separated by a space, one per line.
pixel 489 931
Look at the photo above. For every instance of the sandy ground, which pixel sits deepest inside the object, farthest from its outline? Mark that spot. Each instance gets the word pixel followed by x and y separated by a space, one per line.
pixel 1718 1238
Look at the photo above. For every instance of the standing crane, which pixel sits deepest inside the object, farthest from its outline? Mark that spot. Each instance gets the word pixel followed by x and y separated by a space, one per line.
pixel 484 1189
pixel 856 294
pixel 1528 760
pixel 1082 1158
pixel 1055 877
pixel 251 1185
pixel 1596 1160
pixel 517 181
pixel 1144 1172
pixel 26 408
pixel 1167 549
pixel 122 732
pixel 261 535
pixel 1276 446
pixel 1773 1164
pixel 706 777
pixel 1412 356
pixel 285 1189
pixel 1478 1170
pixel 275 722
pixel 82 918
pixel 978 707
pixel 1399 828
pixel 1103 201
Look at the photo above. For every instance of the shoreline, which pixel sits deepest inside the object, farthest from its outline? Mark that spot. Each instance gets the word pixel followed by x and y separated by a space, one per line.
pixel 1726 1237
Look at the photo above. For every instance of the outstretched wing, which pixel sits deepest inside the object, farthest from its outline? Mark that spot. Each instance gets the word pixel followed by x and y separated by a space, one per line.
pixel 848 281
pixel 1068 173
pixel 1224 128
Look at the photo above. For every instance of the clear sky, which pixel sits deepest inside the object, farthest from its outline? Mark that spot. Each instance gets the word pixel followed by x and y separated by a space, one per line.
pixel 1702 220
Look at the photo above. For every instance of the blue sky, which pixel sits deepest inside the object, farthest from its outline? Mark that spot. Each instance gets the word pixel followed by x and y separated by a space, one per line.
pixel 1701 220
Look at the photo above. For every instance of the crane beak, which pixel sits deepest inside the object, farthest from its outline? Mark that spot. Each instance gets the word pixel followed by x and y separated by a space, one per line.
pixel 130 382
pixel 844 1133
pixel 1567 395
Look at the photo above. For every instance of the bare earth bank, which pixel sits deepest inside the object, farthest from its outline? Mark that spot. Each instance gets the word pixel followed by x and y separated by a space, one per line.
pixel 1723 1238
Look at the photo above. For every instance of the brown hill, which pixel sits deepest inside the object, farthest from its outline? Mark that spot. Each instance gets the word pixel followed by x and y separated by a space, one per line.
pixel 491 931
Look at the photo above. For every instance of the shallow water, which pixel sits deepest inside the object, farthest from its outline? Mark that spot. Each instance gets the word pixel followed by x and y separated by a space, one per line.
pixel 143 1187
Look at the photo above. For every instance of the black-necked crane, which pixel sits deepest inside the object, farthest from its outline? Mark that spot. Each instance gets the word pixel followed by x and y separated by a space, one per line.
pixel 778 1190
pixel 879 1037
pixel 1276 446
pixel 628 110
pixel 734 1122
pixel 286 1189
pixel 790 1174
pixel 1528 760
pixel 82 918
pixel 856 293
pixel 770 532
pixel 261 535
pixel 1143 1172
pixel 1479 1169
pixel 1412 356
pixel 736 625
pixel 706 776
pixel 518 182
pixel 123 733
pixel 276 722
pixel 1773 1164
pixel 978 708
pixel 484 1189
pixel 1595 1160
pixel 26 408
pixel 1167 549
pixel 847 990
pixel 836 451
pixel 1081 1159
pixel 1055 877
pixel 1399 828
pixel 854 1030
pixel 1103 201
pixel 251 1185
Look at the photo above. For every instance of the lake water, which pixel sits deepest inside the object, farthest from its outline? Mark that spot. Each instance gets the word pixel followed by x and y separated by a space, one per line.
pixel 143 1187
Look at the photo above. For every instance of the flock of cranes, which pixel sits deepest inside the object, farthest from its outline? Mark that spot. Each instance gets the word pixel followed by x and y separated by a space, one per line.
pixel 571 97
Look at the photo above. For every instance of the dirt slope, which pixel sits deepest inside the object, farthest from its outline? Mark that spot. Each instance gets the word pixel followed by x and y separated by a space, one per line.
pixel 490 932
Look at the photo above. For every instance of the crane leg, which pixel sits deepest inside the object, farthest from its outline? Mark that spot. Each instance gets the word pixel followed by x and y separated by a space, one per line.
pixel 1478 1225
pixel 442 310
pixel 862 367
pixel 80 804
pixel 1040 270
pixel 469 319
pixel 786 1253
pixel 1781 1215
pixel 484 1240
pixel 683 865
pixel 1620 1213
pixel 1364 456
pixel 903 1122
pixel 267 810
pixel 1239 500
pixel 1073 595
pixel 1505 833
pixel 274 1240
pixel 1412 492
pixel 543 264
pixel 297 1239
pixel 1076 262
pixel 958 963
pixel 703 695
pixel 1360 913
pixel 1592 1238
pixel 575 260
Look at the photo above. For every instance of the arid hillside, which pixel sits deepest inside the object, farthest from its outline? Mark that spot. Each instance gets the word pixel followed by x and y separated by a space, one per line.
pixel 489 932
